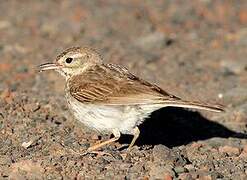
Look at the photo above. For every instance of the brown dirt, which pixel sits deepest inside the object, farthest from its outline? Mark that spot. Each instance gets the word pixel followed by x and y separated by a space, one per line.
pixel 194 49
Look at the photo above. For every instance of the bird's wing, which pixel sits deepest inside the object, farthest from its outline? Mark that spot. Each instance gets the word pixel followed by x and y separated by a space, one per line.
pixel 115 85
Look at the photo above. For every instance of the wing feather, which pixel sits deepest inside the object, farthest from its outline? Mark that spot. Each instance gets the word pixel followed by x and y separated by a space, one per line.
pixel 114 85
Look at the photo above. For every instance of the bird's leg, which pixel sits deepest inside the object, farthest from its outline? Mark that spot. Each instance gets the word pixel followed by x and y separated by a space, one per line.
pixel 136 133
pixel 116 134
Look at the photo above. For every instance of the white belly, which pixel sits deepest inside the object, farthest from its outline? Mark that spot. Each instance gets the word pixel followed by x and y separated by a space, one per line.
pixel 105 118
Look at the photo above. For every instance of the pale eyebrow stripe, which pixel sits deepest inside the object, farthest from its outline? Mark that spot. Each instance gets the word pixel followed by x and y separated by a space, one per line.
pixel 78 55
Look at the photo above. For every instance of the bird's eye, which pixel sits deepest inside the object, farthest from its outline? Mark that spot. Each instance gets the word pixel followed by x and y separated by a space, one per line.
pixel 69 60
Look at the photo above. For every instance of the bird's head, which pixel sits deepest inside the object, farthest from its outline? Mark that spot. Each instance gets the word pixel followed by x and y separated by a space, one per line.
pixel 73 61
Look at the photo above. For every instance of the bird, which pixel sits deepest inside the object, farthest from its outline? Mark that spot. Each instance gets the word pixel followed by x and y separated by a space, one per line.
pixel 109 98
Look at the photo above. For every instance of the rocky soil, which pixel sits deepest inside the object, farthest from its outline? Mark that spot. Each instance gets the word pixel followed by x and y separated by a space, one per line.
pixel 194 49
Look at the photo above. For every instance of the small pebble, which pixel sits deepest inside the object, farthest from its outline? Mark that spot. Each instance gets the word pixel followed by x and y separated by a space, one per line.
pixel 95 137
pixel 189 167
pixel 179 169
pixel 229 150
pixel 161 152
pixel 184 176
pixel 27 144
pixel 206 177
pixel 167 177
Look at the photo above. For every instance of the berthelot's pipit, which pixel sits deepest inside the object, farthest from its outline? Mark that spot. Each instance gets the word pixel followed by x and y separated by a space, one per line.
pixel 108 97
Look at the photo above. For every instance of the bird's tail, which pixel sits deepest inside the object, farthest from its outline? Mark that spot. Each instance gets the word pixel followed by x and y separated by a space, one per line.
pixel 195 105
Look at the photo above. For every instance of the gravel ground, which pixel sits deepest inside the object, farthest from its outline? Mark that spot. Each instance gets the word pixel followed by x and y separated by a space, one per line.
pixel 193 49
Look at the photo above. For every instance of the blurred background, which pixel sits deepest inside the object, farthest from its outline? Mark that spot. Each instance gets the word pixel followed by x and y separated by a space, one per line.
pixel 187 43
pixel 193 49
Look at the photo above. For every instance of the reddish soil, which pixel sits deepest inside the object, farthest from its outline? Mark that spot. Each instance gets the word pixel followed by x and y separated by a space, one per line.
pixel 194 49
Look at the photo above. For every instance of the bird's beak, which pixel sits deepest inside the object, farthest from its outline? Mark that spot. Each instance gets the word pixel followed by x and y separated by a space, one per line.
pixel 48 66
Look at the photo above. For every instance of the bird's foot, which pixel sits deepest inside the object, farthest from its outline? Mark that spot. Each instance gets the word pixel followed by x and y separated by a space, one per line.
pixel 126 153
pixel 98 153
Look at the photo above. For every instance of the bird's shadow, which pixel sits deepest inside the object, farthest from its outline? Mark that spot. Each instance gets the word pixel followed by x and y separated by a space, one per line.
pixel 176 126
